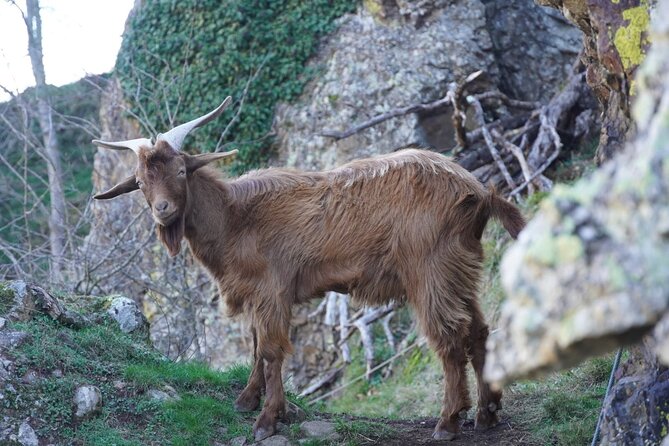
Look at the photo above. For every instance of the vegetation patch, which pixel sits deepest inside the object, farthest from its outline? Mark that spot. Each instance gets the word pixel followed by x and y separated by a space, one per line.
pixel 199 52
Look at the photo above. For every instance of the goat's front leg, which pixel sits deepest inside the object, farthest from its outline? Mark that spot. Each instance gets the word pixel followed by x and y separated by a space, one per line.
pixel 275 399
pixel 249 399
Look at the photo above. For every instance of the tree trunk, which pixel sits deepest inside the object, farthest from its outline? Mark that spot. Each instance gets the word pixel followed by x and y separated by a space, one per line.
pixel 57 216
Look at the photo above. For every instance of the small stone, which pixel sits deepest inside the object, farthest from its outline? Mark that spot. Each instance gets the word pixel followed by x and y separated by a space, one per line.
pixel 3 322
pixel 5 368
pixel 238 441
pixel 27 435
pixel 12 339
pixel 119 385
pixel 30 377
pixel 167 394
pixel 320 429
pixel 294 413
pixel 128 315
pixel 87 401
pixel 275 440
pixel 57 373
pixel 23 306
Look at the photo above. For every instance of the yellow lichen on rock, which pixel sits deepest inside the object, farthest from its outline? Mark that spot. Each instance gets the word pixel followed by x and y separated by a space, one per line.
pixel 630 40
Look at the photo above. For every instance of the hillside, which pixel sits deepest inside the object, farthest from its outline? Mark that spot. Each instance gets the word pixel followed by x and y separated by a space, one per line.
pixel 79 370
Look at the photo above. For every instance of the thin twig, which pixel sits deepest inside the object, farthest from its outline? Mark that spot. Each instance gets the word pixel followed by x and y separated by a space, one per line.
pixel 478 109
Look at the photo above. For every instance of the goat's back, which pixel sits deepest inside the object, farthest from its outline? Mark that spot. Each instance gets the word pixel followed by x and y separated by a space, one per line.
pixel 365 225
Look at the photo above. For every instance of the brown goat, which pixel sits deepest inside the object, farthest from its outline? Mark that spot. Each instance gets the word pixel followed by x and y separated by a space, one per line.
pixel 401 226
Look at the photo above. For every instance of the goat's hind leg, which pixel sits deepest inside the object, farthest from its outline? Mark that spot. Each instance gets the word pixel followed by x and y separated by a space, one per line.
pixel 249 399
pixel 489 401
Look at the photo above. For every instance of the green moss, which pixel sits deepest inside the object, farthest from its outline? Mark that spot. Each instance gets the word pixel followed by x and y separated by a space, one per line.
pixel 200 51
pixel 630 40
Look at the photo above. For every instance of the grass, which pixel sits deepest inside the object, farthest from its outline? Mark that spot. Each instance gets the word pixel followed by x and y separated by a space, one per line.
pixel 563 408
pixel 123 367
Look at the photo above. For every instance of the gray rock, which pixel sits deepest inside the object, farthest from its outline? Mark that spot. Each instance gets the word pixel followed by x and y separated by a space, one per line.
pixel 12 339
pixel 276 440
pixel 635 411
pixel 294 413
pixel 168 393
pixel 5 368
pixel 87 401
pixel 238 441
pixel 128 315
pixel 30 377
pixel 27 436
pixel 22 305
pixel 320 429
pixel 6 429
pixel 3 322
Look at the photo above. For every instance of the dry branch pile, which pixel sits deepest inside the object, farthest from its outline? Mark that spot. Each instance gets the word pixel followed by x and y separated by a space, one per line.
pixel 503 141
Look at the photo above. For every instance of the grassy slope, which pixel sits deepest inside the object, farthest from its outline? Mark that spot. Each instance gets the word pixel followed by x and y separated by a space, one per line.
pixel 126 368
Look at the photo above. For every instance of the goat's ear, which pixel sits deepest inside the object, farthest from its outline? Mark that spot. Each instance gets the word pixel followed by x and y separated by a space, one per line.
pixel 194 162
pixel 125 186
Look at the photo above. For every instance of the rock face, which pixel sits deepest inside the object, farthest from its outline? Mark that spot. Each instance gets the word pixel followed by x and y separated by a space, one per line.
pixel 545 35
pixel 389 57
pixel 615 36
pixel 589 272
pixel 372 66
pixel 636 409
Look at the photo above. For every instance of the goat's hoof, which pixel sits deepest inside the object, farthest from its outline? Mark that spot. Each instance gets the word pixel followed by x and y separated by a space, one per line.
pixel 260 433
pixel 243 404
pixel 485 420
pixel 444 435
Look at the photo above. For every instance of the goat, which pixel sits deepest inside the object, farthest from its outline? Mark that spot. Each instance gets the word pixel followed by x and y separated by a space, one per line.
pixel 405 224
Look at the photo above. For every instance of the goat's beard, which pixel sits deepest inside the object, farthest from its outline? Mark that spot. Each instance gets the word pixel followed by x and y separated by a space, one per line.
pixel 171 235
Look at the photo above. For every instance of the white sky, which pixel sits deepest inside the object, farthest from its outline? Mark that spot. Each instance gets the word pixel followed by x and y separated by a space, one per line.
pixel 79 37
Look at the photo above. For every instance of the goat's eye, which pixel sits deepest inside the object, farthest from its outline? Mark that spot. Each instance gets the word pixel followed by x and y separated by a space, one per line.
pixel 140 183
pixel 181 172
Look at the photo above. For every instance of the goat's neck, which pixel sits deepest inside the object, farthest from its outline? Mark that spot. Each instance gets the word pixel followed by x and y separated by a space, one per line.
pixel 206 218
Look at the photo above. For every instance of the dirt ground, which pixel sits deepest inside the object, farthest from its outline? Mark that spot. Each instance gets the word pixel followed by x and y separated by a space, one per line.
pixel 419 432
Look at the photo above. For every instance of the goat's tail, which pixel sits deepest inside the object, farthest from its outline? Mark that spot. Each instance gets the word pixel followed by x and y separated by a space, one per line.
pixel 507 213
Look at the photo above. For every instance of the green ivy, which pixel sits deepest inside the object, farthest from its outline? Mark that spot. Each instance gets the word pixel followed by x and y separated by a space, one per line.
pixel 180 59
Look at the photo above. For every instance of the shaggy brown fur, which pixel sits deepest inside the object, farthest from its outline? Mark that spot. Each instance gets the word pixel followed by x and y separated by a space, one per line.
pixel 405 226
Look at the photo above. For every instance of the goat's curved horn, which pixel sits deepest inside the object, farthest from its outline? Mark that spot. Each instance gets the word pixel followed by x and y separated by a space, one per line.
pixel 176 136
pixel 131 144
